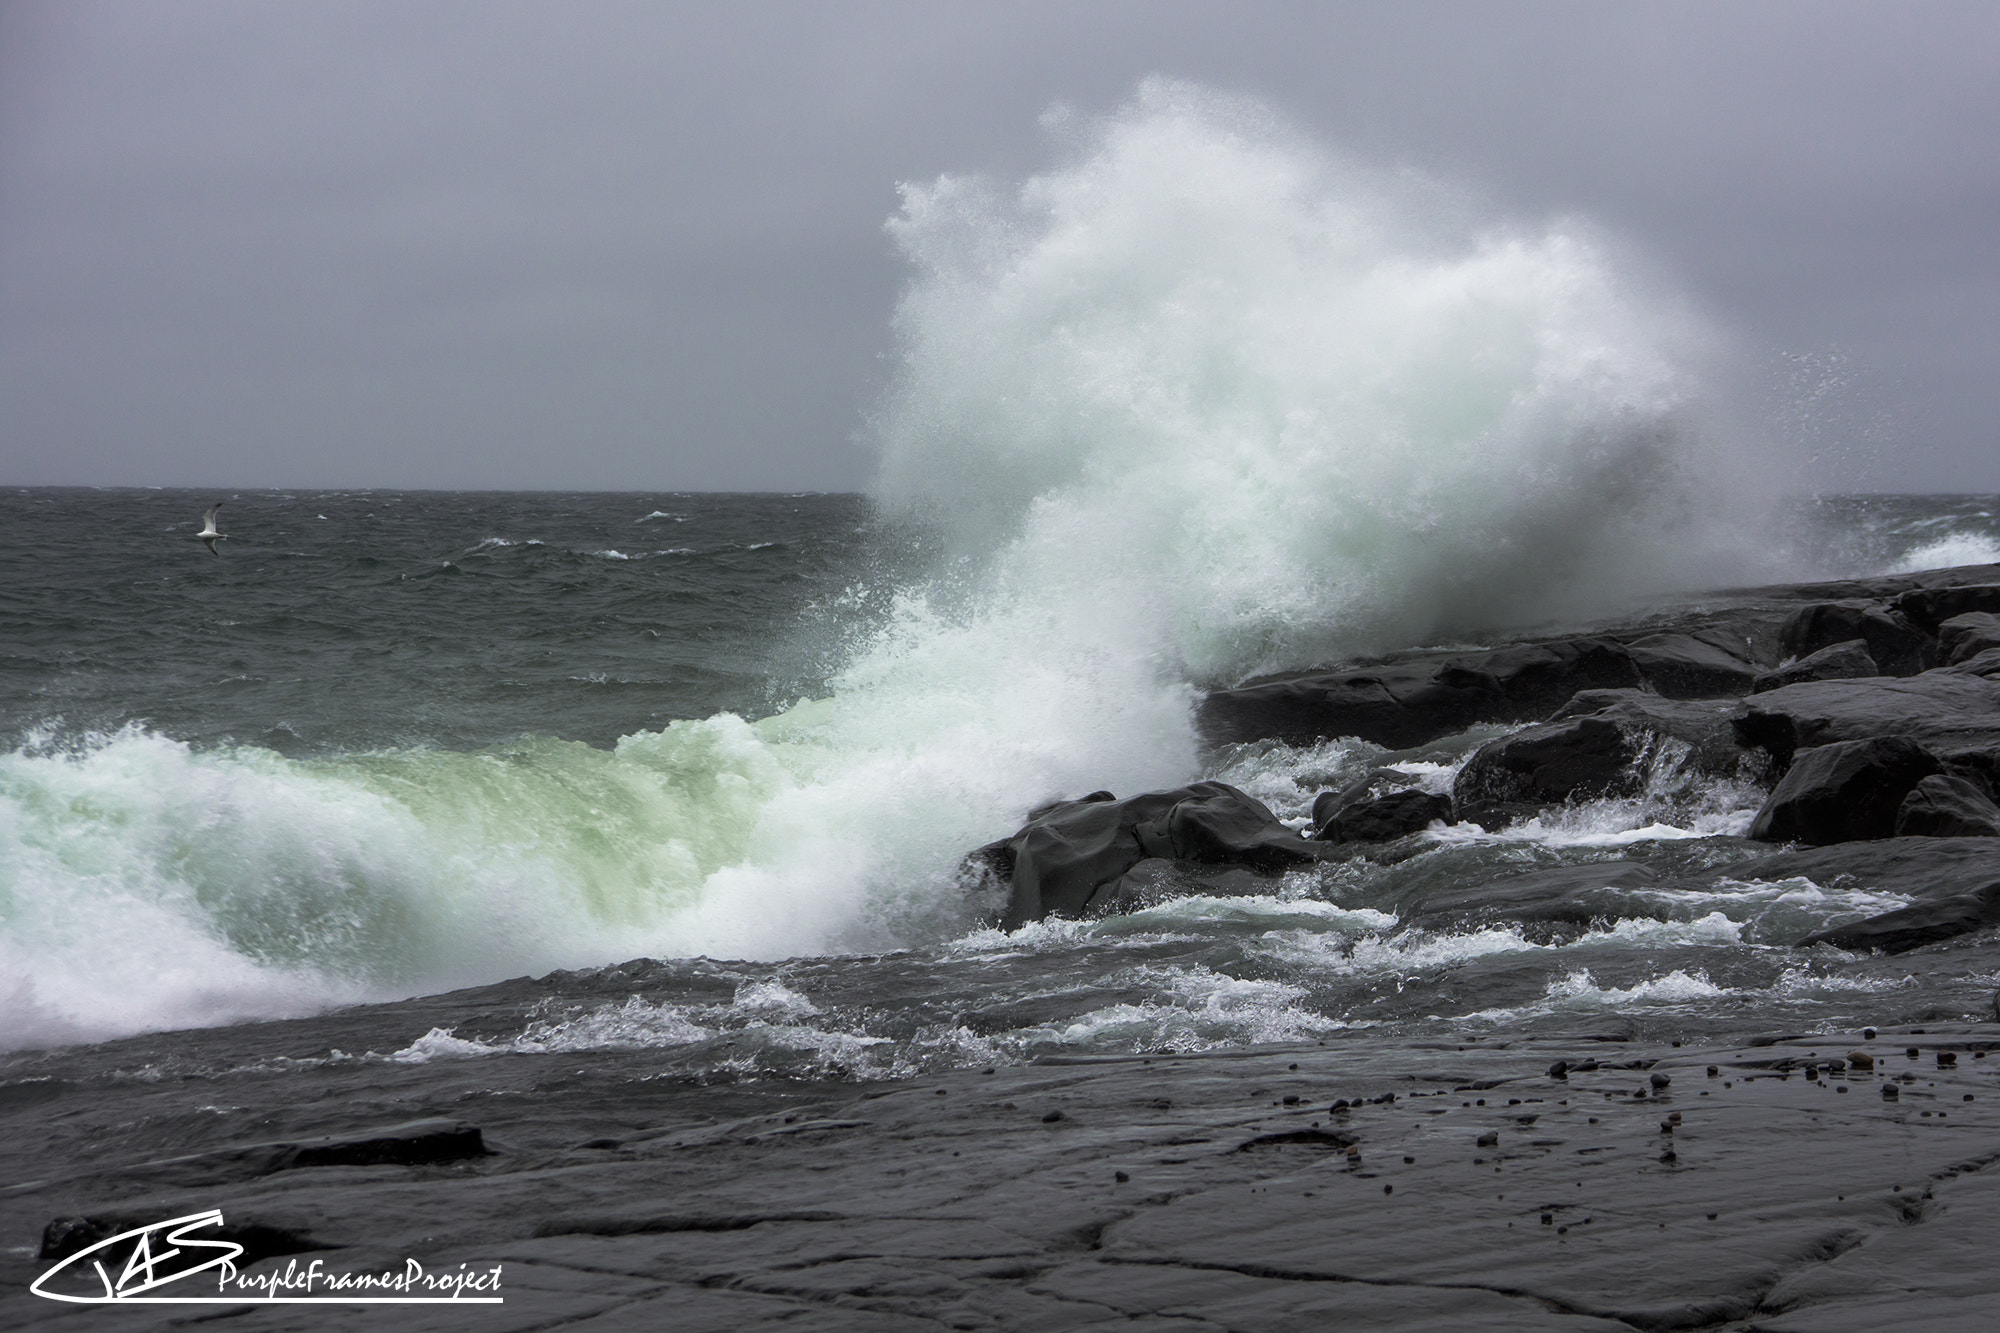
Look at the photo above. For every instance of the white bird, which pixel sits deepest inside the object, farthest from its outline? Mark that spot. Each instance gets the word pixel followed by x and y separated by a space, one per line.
pixel 208 534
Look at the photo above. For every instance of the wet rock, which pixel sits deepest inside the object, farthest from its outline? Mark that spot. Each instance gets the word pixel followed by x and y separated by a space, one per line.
pixel 260 1239
pixel 413 1143
pixel 1843 792
pixel 1576 895
pixel 1899 647
pixel 1704 728
pixel 1949 709
pixel 1214 823
pixel 1157 879
pixel 1579 759
pixel 1377 784
pixel 1412 701
pixel 1847 660
pixel 1985 664
pixel 1943 806
pixel 1705 664
pixel 1386 817
pixel 1602 743
pixel 1924 867
pixel 1964 637
pixel 1930 608
pixel 1914 926
pixel 1067 859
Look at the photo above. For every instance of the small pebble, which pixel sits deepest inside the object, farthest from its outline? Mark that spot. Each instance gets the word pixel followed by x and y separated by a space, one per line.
pixel 1490 1139
pixel 1409 1161
pixel 1868 1034
pixel 1890 1093
pixel 1548 1218
pixel 1120 1176
pixel 1913 1052
pixel 1291 1099
pixel 1713 1071
pixel 1841 1088
pixel 1660 1080
pixel 1388 1189
pixel 1861 1060
pixel 1052 1117
pixel 1946 1059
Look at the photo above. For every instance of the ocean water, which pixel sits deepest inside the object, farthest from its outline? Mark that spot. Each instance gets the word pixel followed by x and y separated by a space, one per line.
pixel 1200 400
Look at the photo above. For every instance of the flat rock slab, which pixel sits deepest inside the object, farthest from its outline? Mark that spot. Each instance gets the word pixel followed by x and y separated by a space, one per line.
pixel 1463 1187
pixel 1921 867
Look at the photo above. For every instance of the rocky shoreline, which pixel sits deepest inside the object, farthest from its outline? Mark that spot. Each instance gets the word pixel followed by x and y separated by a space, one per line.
pixel 1516 1179
pixel 1822 1182
pixel 1867 710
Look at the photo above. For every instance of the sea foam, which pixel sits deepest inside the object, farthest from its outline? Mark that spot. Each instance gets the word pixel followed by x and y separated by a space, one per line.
pixel 1203 399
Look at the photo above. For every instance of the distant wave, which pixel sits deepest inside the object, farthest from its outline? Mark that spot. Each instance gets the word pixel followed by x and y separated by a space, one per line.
pixel 1948 552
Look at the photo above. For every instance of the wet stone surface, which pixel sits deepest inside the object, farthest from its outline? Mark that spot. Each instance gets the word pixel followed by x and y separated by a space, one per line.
pixel 1764 1185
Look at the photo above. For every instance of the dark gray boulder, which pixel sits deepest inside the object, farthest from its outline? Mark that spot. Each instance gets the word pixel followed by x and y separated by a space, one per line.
pixel 1706 727
pixel 1844 792
pixel 1705 664
pixel 1951 708
pixel 1918 924
pixel 1964 637
pixel 1898 647
pixel 1847 660
pixel 1385 818
pixel 1067 859
pixel 1413 701
pixel 1579 759
pixel 1943 806
pixel 1985 663
pixel 1603 743
pixel 1930 608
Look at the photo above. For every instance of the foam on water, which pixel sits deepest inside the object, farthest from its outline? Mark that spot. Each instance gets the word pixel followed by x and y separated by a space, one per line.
pixel 1949 552
pixel 1203 399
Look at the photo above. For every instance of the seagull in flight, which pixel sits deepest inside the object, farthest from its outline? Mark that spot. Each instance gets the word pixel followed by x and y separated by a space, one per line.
pixel 208 534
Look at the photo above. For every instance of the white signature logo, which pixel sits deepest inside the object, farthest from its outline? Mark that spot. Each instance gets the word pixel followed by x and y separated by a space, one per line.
pixel 149 1257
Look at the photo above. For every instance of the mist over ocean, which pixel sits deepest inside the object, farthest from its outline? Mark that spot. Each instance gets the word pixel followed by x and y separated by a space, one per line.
pixel 1201 402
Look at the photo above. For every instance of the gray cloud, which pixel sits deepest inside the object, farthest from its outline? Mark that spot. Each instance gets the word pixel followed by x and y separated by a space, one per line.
pixel 619 245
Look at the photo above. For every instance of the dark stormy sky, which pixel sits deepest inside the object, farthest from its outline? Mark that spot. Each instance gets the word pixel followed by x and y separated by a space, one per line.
pixel 640 246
